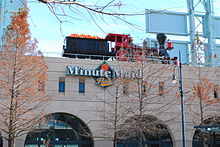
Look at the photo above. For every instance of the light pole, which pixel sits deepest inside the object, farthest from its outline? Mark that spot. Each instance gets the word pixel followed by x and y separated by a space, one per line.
pixel 181 96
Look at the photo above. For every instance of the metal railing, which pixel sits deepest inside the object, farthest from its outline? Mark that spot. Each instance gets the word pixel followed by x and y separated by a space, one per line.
pixel 151 59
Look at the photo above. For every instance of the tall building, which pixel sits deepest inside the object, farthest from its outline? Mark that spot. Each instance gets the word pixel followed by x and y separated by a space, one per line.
pixel 7 8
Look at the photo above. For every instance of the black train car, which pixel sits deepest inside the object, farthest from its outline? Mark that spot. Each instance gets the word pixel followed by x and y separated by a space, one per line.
pixel 85 47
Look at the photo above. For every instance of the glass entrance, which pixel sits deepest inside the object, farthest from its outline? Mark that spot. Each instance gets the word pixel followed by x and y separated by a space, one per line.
pixel 208 133
pixel 154 132
pixel 61 130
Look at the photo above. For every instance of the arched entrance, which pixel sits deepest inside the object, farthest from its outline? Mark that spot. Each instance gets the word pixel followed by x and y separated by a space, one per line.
pixel 155 132
pixel 61 130
pixel 208 133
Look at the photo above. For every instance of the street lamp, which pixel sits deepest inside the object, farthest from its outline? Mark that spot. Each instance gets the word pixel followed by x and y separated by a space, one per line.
pixel 181 96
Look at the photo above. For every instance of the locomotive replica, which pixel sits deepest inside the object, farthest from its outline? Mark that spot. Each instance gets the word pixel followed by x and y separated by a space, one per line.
pixel 117 46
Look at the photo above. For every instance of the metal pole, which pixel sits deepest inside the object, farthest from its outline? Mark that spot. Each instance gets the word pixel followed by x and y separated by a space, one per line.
pixel 192 33
pixel 210 33
pixel 182 100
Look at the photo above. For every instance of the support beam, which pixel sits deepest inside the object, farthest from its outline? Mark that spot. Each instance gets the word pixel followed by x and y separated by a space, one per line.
pixel 210 36
pixel 192 33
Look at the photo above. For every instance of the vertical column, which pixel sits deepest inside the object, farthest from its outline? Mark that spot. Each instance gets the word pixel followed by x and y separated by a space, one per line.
pixel 191 14
pixel 210 34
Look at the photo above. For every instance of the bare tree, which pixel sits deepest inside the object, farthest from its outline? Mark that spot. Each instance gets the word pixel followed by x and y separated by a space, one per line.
pixel 99 12
pixel 144 91
pixel 204 91
pixel 205 97
pixel 22 81
pixel 128 112
pixel 113 112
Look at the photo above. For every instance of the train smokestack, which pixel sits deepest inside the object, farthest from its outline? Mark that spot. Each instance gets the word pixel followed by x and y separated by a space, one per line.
pixel 161 38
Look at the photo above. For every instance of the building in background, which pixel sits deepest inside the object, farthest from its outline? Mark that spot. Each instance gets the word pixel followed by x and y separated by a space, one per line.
pixel 7 8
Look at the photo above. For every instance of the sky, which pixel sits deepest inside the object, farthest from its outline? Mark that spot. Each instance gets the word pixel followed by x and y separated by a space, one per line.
pixel 50 33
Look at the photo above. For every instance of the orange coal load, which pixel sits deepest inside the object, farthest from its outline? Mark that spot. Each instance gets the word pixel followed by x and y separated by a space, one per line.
pixel 85 36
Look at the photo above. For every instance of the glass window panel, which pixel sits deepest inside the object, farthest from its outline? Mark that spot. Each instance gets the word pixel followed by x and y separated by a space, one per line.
pixel 75 145
pixel 31 145
pixel 70 132
pixel 61 86
pixel 81 87
pixel 58 146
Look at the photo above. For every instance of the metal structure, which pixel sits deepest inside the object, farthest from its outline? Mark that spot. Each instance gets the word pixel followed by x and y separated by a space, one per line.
pixel 199 19
pixel 7 9
pixel 182 101
pixel 192 30
pixel 208 17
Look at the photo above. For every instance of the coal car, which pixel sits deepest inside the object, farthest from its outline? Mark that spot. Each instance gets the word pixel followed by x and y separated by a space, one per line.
pixel 83 47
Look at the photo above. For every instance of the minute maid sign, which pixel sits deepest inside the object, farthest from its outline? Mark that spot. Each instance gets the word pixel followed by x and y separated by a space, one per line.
pixel 103 74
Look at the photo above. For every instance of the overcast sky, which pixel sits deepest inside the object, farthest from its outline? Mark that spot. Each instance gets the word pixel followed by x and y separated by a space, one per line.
pixel 46 28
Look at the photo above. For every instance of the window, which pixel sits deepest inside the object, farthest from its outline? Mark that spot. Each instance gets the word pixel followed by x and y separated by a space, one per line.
pixel 81 85
pixel 216 91
pixel 61 84
pixel 161 88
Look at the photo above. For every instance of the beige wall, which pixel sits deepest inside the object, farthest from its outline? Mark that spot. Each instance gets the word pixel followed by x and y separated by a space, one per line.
pixel 85 105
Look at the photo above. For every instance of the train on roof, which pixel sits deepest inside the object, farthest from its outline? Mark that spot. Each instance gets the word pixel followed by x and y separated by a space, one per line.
pixel 119 46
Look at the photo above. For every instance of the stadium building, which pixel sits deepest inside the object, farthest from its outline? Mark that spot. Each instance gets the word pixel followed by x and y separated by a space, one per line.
pixel 82 102
pixel 125 97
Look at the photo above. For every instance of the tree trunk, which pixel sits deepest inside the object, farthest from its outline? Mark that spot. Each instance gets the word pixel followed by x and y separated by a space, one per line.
pixel 140 138
pixel 116 119
pixel 140 131
pixel 11 141
pixel 202 139
pixel 114 143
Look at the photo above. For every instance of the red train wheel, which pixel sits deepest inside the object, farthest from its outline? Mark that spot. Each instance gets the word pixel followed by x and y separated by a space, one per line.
pixel 122 55
pixel 139 56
